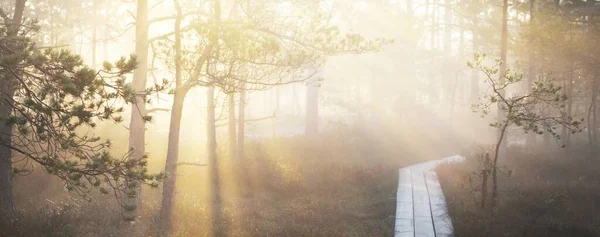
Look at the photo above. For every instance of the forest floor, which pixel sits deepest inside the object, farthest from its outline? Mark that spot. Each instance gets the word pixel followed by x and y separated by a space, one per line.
pixel 550 193
pixel 338 184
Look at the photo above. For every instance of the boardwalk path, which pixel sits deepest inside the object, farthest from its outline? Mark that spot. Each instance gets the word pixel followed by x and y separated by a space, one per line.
pixel 421 208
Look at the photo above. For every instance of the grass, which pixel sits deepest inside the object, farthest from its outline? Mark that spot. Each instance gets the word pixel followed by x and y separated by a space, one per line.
pixel 548 193
pixel 341 183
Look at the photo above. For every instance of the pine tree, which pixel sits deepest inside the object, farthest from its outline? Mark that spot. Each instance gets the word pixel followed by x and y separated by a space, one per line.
pixel 50 103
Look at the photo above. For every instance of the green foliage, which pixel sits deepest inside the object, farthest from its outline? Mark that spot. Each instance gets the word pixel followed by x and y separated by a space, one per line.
pixel 266 48
pixel 54 101
pixel 539 110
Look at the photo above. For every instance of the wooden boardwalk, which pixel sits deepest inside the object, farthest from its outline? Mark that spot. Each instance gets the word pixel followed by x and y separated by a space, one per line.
pixel 420 205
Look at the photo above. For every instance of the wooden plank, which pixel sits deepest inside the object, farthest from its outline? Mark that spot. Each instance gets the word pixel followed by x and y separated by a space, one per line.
pixel 404 225
pixel 422 210
pixel 404 210
pixel 420 204
pixel 424 226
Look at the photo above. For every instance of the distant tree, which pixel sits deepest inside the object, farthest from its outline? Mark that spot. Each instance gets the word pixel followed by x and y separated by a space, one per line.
pixel 539 110
pixel 255 47
pixel 137 127
pixel 49 104
pixel 501 78
pixel 570 28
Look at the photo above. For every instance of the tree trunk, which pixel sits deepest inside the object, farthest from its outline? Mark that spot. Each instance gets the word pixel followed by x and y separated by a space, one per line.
pixel 181 90
pixel 474 100
pixel 433 23
pixel 231 126
pixel 461 57
pixel 461 39
pixel 277 113
pixel 500 151
pixel 295 101
pixel 530 137
pixel 94 30
pixel 495 164
pixel 484 187
pixel 564 132
pixel 210 125
pixel 594 119
pixel 106 34
pixel 7 88
pixel 241 124
pixel 434 94
pixel 452 104
pixel 312 107
pixel 168 195
pixel 503 58
pixel 447 28
pixel 570 101
pixel 475 74
pixel 590 124
pixel 6 198
pixel 137 127
pixel 448 89
pixel 211 136
pixel 213 162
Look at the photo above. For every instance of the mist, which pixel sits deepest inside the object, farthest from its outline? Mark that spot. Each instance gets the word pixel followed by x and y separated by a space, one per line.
pixel 298 118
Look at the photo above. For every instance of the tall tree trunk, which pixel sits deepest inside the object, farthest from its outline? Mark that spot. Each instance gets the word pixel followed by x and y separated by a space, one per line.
pixel 181 90
pixel 7 88
pixel 211 136
pixel 447 28
pixel 426 9
pixel 503 58
pixel 295 101
pixel 312 107
pixel 590 123
pixel 461 57
pixel 434 94
pixel 213 162
pixel 137 127
pixel 6 198
pixel 449 83
pixel 475 136
pixel 530 137
pixel 106 33
pixel 452 104
pixel 475 73
pixel 231 126
pixel 449 88
pixel 211 133
pixel 241 124
pixel 566 85
pixel 94 30
pixel 168 195
pixel 570 92
pixel 594 119
pixel 433 24
pixel 277 113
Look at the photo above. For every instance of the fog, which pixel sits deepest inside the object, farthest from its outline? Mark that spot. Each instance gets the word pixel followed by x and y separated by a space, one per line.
pixel 286 117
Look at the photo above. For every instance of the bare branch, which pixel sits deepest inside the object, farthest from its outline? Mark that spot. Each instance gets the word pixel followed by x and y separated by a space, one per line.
pixel 190 163
pixel 166 18
pixel 157 110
